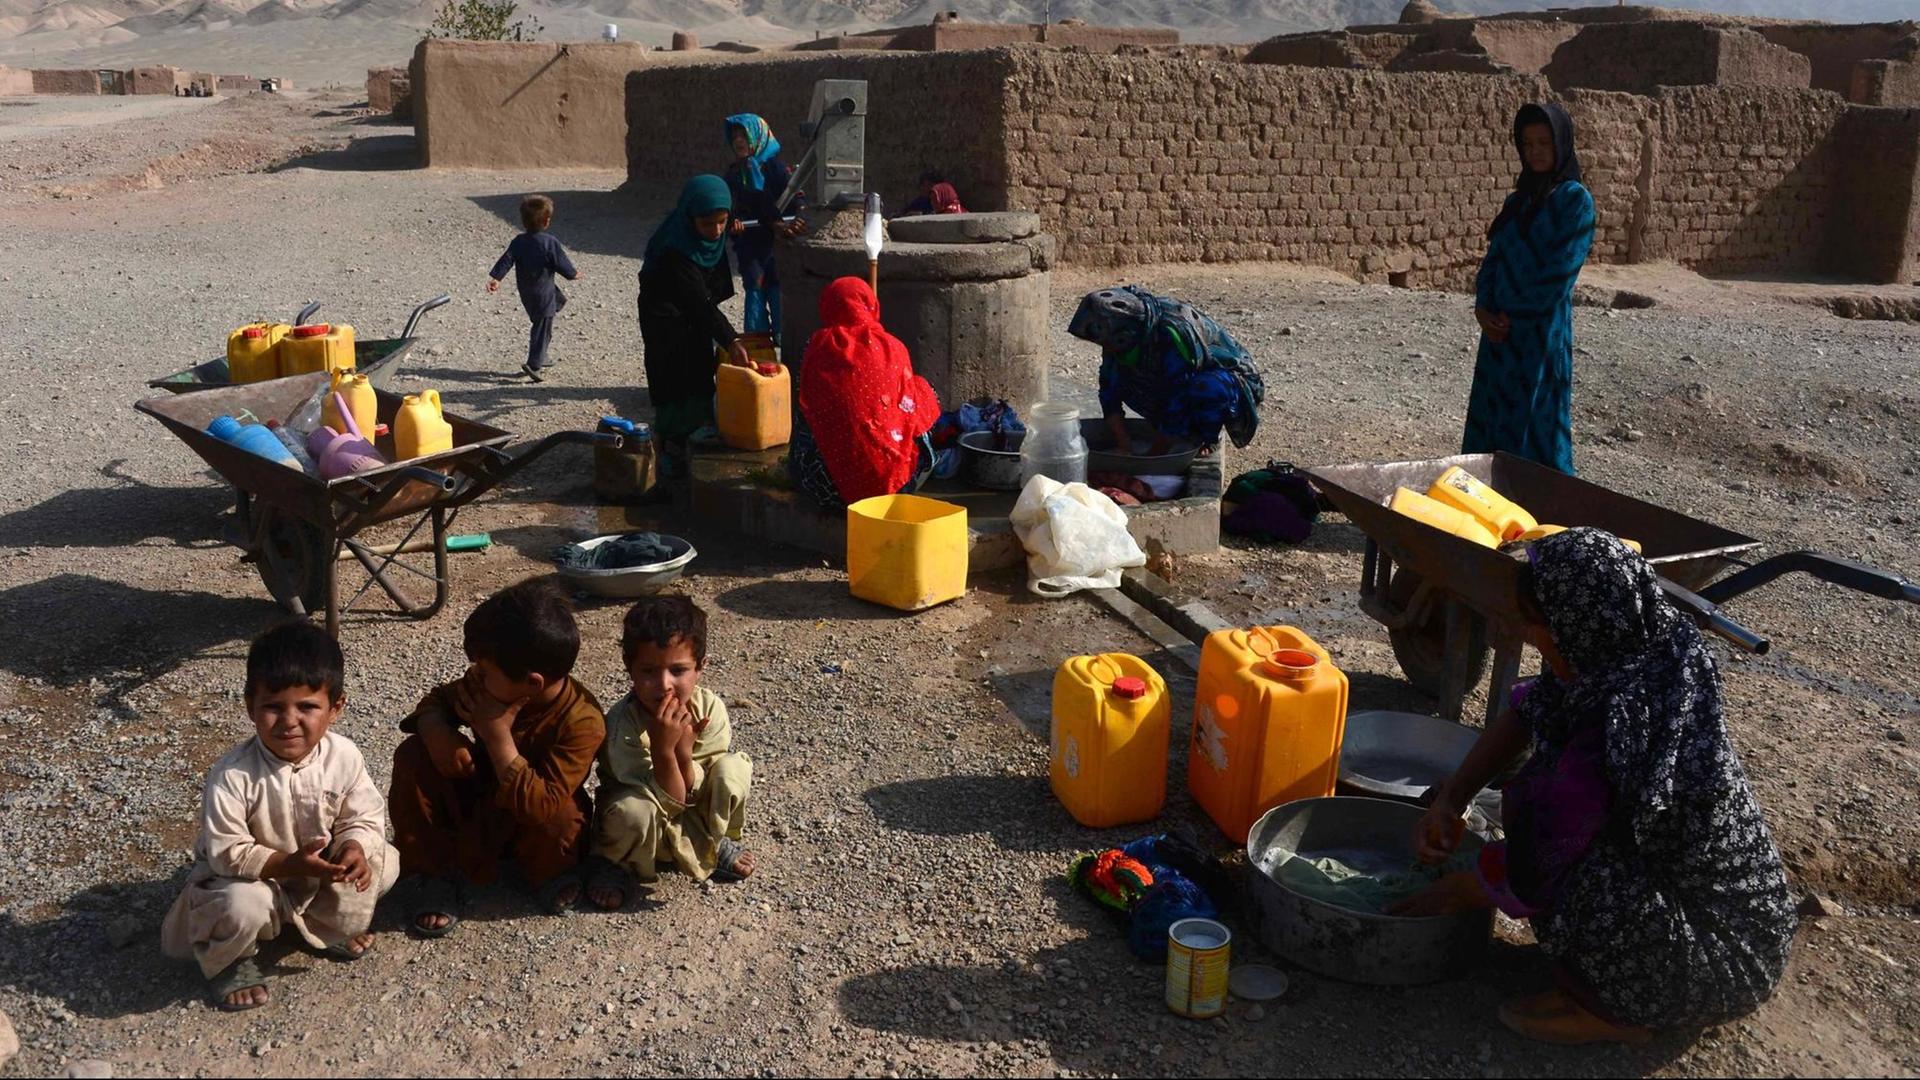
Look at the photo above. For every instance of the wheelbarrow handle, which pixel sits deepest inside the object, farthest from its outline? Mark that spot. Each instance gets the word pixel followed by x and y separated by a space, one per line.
pixel 413 320
pixel 1844 572
pixel 306 313
pixel 1709 616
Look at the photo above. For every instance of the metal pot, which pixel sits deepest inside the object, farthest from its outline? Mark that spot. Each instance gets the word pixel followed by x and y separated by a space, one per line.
pixel 1354 946
pixel 992 461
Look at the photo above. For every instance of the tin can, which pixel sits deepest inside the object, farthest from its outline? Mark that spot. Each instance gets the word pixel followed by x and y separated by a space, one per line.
pixel 1197 952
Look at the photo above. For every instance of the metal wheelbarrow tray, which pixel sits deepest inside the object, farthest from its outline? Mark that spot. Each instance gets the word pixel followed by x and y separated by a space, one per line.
pixel 296 527
pixel 376 358
pixel 1444 599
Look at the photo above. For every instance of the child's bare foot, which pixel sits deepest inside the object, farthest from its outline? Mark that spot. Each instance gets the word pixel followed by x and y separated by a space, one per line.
pixel 560 894
pixel 251 997
pixel 240 987
pixel 607 883
pixel 437 910
pixel 353 948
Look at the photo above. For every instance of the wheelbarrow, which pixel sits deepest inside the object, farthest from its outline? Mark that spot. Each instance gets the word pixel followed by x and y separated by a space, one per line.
pixel 1447 602
pixel 295 527
pixel 377 358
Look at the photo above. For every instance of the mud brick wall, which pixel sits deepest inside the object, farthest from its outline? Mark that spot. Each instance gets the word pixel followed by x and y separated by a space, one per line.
pixel 512 105
pixel 1612 134
pixel 1886 82
pixel 1145 160
pixel 66 81
pixel 1744 179
pixel 1834 50
pixel 152 80
pixel 1876 231
pixel 15 81
pixel 924 111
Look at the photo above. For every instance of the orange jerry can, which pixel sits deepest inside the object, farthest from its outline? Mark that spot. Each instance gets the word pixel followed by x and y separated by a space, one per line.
pixel 753 406
pixel 1111 723
pixel 1268 716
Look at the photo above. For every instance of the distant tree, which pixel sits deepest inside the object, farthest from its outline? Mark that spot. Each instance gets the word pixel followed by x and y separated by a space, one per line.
pixel 484 20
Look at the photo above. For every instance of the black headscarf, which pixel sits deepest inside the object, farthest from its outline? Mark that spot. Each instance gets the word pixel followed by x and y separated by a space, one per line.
pixel 1534 187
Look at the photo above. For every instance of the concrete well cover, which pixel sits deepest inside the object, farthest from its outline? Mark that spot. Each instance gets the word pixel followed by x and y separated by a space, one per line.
pixel 964 228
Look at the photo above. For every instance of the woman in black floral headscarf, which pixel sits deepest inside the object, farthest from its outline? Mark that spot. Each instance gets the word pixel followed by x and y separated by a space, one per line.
pixel 1633 840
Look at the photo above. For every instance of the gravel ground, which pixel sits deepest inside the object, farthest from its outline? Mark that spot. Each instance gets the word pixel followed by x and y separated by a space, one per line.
pixel 910 915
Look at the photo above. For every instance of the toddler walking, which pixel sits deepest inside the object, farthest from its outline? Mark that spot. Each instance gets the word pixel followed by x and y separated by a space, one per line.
pixel 535 257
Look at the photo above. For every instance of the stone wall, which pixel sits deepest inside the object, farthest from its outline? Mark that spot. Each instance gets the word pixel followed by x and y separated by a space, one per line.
pixel 924 111
pixel 1834 50
pixel 512 105
pixel 15 81
pixel 66 81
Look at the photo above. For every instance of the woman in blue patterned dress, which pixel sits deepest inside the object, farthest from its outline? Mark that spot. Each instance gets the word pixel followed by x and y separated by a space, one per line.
pixel 1171 363
pixel 1522 398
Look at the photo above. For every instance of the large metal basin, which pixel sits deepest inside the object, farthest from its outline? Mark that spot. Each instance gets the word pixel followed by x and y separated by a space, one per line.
pixel 1354 946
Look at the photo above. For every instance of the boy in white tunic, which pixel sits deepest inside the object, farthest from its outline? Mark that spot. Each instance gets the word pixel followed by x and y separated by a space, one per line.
pixel 673 791
pixel 292 831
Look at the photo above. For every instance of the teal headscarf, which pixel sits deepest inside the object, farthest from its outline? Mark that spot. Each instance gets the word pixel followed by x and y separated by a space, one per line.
pixel 703 195
pixel 762 147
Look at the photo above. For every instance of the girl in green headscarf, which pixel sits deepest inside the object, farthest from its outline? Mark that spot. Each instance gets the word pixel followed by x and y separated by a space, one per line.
pixel 683 281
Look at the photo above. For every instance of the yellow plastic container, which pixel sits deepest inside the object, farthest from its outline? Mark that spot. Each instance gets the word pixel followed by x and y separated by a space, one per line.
pixel 419 428
pixel 753 406
pixel 906 552
pixel 1269 713
pixel 316 347
pixel 1541 532
pixel 253 352
pixel 1111 723
pixel 1462 490
pixel 1442 517
pixel 360 399
pixel 759 345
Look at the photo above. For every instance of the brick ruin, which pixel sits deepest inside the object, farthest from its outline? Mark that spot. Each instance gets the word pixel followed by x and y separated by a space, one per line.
pixel 1379 169
pixel 144 80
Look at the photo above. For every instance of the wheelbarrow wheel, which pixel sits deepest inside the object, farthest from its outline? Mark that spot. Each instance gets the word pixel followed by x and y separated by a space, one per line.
pixel 1422 648
pixel 294 561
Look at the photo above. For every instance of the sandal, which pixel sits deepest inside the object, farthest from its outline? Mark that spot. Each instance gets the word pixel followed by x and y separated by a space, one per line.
pixel 339 950
pixel 242 974
pixel 437 896
pixel 604 873
pixel 727 860
pixel 549 893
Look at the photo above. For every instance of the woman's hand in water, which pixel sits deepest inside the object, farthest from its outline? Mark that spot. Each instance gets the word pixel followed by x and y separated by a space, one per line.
pixel 1456 892
pixel 1439 832
pixel 1494 325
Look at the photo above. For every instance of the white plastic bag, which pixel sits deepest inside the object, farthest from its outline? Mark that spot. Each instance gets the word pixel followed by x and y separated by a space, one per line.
pixel 1076 538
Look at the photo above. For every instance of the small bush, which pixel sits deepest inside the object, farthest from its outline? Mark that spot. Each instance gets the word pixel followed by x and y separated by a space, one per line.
pixel 483 20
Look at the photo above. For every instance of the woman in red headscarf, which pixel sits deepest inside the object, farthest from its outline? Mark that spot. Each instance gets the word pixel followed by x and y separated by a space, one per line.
pixel 864 414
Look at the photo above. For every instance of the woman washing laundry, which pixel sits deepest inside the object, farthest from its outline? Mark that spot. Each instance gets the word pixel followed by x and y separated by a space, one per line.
pixel 864 414
pixel 1172 364
pixel 1633 840
pixel 1522 397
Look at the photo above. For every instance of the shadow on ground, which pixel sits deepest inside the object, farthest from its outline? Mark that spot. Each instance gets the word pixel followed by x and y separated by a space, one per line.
pixel 120 515
pixel 366 153
pixel 594 222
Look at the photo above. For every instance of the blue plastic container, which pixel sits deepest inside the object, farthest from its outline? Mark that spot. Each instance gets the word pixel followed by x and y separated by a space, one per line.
pixel 253 438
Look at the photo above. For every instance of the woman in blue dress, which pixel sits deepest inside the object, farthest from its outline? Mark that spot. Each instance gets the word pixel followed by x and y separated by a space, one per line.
pixel 1171 363
pixel 1522 398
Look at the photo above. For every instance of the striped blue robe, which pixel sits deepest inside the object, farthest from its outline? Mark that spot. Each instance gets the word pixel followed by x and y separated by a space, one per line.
pixel 1522 399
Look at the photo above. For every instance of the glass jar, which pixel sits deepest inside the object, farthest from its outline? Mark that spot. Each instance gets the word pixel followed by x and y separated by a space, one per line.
pixel 1052 446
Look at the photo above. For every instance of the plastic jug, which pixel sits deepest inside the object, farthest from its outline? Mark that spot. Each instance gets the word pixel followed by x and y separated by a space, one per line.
pixel 360 399
pixel 1462 490
pixel 337 455
pixel 1443 517
pixel 1052 446
pixel 1110 730
pixel 296 446
pixel 1268 717
pixel 1541 532
pixel 906 551
pixel 316 347
pixel 759 345
pixel 253 352
pixel 419 428
pixel 253 438
pixel 629 472
pixel 753 406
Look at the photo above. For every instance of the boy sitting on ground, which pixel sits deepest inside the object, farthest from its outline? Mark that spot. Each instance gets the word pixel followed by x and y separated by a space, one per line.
pixel 672 791
pixel 292 831
pixel 512 787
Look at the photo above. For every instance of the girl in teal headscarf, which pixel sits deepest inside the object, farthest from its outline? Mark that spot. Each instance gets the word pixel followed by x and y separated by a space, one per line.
pixel 757 177
pixel 683 281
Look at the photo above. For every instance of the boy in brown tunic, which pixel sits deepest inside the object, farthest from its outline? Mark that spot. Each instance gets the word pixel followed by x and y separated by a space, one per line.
pixel 496 759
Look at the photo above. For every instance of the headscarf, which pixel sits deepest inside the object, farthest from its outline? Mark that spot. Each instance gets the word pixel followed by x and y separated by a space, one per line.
pixel 946 200
pixel 1532 188
pixel 1126 320
pixel 860 397
pixel 702 195
pixel 1642 672
pixel 762 147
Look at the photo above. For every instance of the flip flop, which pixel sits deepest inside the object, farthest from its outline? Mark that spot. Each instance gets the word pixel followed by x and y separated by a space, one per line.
pixel 437 896
pixel 339 951
pixel 549 893
pixel 242 974
pixel 604 873
pixel 726 857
